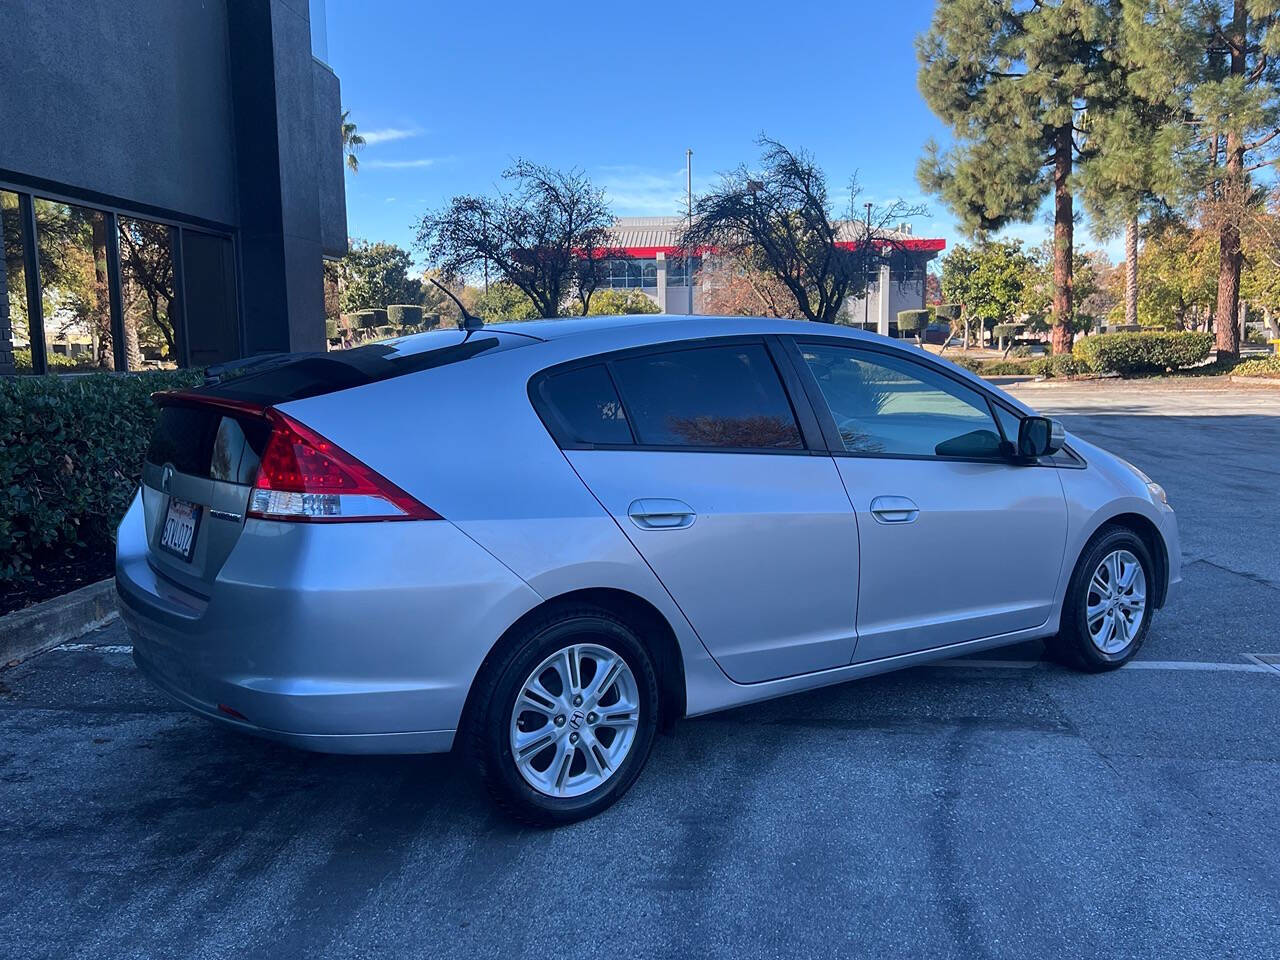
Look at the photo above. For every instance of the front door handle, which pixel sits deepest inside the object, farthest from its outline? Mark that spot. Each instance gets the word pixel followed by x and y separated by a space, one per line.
pixel 894 509
pixel 659 514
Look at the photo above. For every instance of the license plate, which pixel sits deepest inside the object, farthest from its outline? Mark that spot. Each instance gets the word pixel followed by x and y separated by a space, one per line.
pixel 180 525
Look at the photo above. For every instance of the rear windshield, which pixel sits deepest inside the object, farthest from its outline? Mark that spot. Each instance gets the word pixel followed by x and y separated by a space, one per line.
pixel 208 443
pixel 297 376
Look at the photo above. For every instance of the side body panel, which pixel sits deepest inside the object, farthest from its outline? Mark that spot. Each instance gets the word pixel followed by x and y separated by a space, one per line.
pixel 767 571
pixel 981 558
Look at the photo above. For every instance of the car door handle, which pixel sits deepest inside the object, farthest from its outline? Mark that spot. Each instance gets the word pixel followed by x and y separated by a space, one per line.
pixel 658 514
pixel 894 509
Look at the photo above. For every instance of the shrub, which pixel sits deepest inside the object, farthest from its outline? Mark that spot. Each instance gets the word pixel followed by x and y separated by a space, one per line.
pixel 607 303
pixel 913 321
pixel 947 311
pixel 1005 331
pixel 1005 368
pixel 405 315
pixel 1268 367
pixel 71 451
pixel 971 364
pixel 1058 365
pixel 331 331
pixel 22 359
pixel 1137 353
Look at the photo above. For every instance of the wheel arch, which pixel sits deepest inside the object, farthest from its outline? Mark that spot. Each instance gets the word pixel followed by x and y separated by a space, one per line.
pixel 650 625
pixel 1145 529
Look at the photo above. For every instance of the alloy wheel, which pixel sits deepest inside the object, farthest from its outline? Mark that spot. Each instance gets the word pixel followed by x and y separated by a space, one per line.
pixel 575 720
pixel 1117 601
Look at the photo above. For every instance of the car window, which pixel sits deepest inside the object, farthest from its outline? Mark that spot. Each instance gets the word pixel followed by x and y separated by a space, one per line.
pixel 889 406
pixel 721 396
pixel 1010 422
pixel 585 406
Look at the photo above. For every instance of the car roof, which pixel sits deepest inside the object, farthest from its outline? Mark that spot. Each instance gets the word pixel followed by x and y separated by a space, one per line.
pixel 559 328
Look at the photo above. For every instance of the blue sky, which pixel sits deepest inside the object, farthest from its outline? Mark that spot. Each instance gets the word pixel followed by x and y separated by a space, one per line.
pixel 449 94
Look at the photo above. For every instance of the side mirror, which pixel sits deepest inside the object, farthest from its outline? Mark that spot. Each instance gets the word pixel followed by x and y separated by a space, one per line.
pixel 1040 436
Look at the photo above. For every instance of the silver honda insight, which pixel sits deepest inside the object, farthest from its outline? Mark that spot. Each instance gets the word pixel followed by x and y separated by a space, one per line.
pixel 540 543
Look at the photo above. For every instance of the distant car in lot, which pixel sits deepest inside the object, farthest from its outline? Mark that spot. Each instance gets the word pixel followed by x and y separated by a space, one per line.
pixel 539 543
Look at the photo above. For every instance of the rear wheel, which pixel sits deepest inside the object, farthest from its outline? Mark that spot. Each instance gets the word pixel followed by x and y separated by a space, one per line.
pixel 566 717
pixel 1107 610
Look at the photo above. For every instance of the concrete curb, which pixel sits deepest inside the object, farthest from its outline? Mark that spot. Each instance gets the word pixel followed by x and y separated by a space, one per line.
pixel 1258 381
pixel 41 626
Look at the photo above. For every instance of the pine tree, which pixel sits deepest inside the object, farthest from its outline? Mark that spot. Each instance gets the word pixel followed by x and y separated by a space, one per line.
pixel 1218 63
pixel 1013 79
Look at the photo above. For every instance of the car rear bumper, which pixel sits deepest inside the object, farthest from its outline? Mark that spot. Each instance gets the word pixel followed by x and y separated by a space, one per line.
pixel 343 638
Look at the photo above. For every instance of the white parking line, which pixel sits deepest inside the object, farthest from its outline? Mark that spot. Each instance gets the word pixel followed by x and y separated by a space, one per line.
pixel 1194 665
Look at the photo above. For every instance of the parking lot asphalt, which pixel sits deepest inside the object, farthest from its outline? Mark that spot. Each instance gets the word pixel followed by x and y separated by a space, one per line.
pixel 999 808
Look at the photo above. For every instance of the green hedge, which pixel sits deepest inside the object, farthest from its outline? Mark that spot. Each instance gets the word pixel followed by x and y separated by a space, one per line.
pixel 405 315
pixel 947 311
pixel 1268 367
pixel 1003 331
pixel 1058 365
pixel 1135 353
pixel 913 321
pixel 71 452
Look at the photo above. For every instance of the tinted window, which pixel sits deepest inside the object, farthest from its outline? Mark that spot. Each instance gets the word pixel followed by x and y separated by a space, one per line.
pixel 885 405
pixel 202 442
pixel 585 406
pixel 727 396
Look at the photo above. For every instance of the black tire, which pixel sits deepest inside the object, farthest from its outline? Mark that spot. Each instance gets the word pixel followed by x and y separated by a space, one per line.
pixel 1073 645
pixel 500 683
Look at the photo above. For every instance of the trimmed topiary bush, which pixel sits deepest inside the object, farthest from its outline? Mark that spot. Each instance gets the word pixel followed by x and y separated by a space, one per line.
pixel 1136 353
pixel 71 451
pixel 1004 331
pixel 947 311
pixel 1058 365
pixel 405 315
pixel 913 321
pixel 365 319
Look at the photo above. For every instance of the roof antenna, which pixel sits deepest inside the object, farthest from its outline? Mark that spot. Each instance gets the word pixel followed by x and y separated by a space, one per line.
pixel 469 321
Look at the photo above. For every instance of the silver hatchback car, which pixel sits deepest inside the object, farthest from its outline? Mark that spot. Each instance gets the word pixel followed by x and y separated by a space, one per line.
pixel 540 543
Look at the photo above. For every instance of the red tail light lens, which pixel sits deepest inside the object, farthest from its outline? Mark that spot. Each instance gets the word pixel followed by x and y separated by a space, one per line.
pixel 303 476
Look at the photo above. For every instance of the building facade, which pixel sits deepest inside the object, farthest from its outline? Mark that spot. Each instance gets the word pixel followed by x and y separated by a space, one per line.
pixel 171 180
pixel 653 264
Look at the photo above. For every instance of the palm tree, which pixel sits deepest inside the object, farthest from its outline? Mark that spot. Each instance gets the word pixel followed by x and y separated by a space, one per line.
pixel 351 141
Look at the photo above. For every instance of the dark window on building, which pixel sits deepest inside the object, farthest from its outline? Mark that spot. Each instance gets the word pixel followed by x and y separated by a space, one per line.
pixel 625 273
pixel 72 244
pixel 15 283
pixel 682 270
pixel 89 288
pixel 586 406
pixel 724 396
pixel 147 289
pixel 209 278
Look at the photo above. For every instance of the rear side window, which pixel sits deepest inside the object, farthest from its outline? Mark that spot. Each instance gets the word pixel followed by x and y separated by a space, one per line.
pixel 585 406
pixel 720 396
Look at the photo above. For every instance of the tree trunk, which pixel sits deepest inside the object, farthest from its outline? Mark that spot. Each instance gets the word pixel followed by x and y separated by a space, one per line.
pixel 1230 256
pixel 1273 328
pixel 1063 228
pixel 1131 271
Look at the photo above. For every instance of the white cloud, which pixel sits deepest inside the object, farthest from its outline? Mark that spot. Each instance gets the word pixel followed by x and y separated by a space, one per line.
pixel 388 135
pixel 638 192
pixel 399 164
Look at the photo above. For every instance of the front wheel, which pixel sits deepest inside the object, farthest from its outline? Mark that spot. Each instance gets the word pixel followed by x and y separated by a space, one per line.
pixel 1108 608
pixel 567 717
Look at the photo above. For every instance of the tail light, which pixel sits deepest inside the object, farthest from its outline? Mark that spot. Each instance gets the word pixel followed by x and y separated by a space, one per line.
pixel 303 476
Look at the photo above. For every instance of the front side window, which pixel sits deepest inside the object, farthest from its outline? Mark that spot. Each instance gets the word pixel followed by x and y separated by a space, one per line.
pixel 893 407
pixel 720 396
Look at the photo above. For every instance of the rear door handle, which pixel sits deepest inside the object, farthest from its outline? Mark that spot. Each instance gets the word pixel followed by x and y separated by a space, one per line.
pixel 894 509
pixel 659 514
